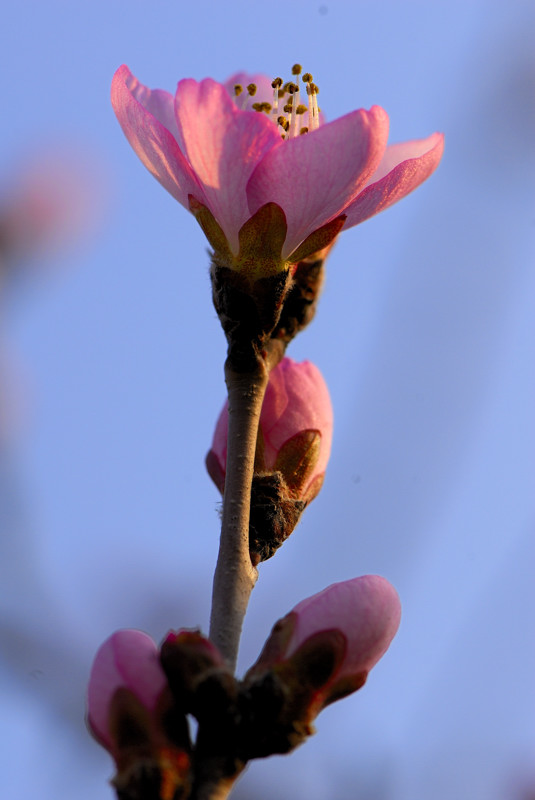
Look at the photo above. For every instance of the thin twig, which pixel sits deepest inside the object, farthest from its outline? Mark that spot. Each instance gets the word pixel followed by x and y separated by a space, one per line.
pixel 235 575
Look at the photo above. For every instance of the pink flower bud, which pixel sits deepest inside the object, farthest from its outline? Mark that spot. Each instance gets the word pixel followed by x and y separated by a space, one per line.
pixel 292 450
pixel 132 713
pixel 330 641
pixel 129 659
pixel 295 430
pixel 366 610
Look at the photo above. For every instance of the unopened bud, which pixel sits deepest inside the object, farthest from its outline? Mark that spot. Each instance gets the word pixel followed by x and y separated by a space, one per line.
pixel 320 652
pixel 198 675
pixel 131 712
pixel 293 447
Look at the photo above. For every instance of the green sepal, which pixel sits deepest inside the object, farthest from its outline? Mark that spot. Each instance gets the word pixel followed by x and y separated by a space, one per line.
pixel 344 687
pixel 318 239
pixel 297 459
pixel 275 647
pixel 212 230
pixel 261 241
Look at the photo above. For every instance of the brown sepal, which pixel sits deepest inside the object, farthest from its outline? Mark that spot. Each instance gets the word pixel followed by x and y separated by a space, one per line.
pixel 301 301
pixel 152 749
pixel 344 687
pixel 297 459
pixel 189 660
pixel 167 778
pixel 280 702
pixel 275 646
pixel 318 240
pixel 314 488
pixel 274 515
pixel 211 229
pixel 261 241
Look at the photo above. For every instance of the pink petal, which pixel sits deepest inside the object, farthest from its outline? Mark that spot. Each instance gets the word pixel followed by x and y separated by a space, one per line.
pixel 223 146
pixel 314 177
pixel 366 610
pixel 147 119
pixel 403 168
pixel 129 659
pixel 297 399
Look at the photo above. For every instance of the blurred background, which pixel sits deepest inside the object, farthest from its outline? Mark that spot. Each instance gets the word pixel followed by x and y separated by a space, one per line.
pixel 111 379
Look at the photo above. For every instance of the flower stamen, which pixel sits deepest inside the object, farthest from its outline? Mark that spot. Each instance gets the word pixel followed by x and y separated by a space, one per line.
pixel 313 110
pixel 285 99
pixel 275 85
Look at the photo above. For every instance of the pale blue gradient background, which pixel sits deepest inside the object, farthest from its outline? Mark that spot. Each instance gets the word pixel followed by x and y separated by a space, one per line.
pixel 425 335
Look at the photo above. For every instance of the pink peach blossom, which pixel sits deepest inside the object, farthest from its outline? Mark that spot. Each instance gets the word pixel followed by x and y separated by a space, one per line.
pixel 50 201
pixel 225 162
pixel 128 659
pixel 296 400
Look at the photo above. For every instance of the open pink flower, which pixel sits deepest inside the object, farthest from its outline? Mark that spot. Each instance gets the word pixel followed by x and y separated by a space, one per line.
pixel 347 626
pixel 295 429
pixel 229 164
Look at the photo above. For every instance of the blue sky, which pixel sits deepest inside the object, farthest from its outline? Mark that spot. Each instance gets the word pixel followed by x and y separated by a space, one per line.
pixel 424 335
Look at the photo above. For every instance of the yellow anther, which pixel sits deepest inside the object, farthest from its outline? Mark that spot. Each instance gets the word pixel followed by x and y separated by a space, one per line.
pixel 289 93
pixel 238 89
pixel 251 88
pixel 262 107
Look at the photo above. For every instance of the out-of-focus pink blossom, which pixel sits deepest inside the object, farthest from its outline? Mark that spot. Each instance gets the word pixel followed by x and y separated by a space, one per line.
pixel 227 163
pixel 50 200
pixel 295 429
pixel 351 623
pixel 129 659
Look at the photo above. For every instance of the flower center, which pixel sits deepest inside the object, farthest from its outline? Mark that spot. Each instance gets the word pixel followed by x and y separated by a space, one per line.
pixel 286 110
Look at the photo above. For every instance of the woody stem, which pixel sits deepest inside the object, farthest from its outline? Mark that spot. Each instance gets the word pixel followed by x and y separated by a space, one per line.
pixel 235 576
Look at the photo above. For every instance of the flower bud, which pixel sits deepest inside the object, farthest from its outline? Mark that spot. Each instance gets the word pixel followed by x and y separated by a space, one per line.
pixel 293 447
pixel 202 683
pixel 198 675
pixel 318 653
pixel 130 711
